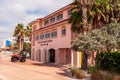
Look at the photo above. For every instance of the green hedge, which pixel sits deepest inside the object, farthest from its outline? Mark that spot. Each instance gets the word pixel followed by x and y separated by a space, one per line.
pixel 109 61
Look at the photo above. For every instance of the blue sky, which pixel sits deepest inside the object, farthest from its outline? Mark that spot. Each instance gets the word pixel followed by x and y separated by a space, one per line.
pixel 13 12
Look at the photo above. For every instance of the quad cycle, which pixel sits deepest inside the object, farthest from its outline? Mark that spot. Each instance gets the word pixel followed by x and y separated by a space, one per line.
pixel 18 57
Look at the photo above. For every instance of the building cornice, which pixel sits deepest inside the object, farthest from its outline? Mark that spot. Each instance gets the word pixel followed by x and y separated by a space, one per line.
pixel 36 20
pixel 50 25
pixel 50 15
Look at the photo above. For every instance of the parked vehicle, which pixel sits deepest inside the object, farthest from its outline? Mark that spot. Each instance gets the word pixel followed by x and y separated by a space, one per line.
pixel 18 57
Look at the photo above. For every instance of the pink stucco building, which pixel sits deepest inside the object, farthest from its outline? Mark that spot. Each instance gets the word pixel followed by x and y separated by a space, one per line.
pixel 51 39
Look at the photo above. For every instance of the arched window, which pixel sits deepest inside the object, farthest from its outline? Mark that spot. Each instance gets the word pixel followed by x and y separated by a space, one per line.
pixel 63 31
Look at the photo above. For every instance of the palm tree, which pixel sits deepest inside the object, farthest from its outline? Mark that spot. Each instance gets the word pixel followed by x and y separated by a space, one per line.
pixel 102 11
pixel 84 4
pixel 76 17
pixel 96 15
pixel 28 32
pixel 19 33
pixel 78 22
pixel 79 18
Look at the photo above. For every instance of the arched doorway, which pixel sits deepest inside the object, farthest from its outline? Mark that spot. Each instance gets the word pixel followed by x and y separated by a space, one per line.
pixel 52 55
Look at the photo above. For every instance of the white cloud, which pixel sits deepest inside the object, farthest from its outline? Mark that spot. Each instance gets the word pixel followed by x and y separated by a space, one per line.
pixel 13 12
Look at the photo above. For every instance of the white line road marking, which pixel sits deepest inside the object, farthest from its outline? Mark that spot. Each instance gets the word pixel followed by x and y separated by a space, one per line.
pixel 3 78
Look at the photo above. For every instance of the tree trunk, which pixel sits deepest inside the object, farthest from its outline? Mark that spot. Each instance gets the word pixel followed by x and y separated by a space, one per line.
pixel 84 19
pixel 20 45
pixel 84 60
pixel 22 41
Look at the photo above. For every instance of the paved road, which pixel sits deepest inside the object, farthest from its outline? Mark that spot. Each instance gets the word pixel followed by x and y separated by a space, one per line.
pixel 30 70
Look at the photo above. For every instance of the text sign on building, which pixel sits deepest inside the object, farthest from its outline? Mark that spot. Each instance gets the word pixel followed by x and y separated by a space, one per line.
pixel 44 42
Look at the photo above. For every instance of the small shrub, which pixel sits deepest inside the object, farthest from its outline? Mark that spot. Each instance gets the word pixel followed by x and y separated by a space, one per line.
pixel 117 77
pixel 77 73
pixel 92 69
pixel 102 75
pixel 96 76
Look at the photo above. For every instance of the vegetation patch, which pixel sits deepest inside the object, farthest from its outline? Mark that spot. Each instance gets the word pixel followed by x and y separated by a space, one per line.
pixel 77 73
pixel 109 61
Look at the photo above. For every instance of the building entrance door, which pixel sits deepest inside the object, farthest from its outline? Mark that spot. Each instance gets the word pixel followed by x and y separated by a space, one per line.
pixel 52 55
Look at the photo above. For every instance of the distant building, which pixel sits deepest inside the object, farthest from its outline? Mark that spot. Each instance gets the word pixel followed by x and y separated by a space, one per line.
pixel 6 42
pixel 2 44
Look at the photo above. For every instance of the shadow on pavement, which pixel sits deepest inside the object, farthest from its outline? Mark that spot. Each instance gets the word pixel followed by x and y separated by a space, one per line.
pixel 51 65
pixel 61 67
pixel 63 74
